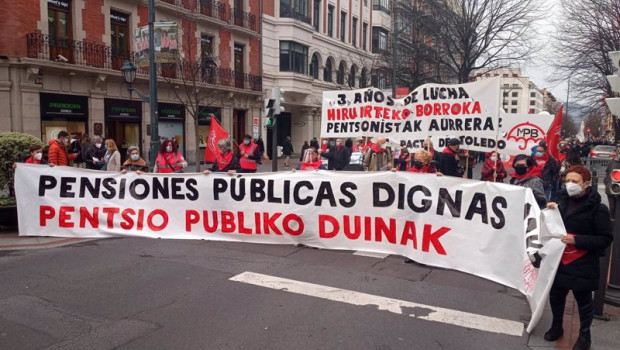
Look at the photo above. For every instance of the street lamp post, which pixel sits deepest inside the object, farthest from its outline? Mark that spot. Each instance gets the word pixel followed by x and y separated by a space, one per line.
pixel 128 71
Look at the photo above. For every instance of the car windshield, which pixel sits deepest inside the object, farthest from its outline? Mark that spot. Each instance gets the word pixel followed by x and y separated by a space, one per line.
pixel 610 149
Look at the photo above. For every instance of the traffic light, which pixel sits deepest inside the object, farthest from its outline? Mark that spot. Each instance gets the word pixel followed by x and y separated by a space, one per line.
pixel 613 102
pixel 277 94
pixel 269 111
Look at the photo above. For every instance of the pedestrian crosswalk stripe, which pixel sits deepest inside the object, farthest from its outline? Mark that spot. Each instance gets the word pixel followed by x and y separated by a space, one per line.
pixel 402 307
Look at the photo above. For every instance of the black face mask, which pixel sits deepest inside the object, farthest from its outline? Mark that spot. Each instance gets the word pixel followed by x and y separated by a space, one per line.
pixel 520 169
pixel 418 164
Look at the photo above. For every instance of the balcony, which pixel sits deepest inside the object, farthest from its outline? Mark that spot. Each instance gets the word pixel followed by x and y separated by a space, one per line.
pixel 381 7
pixel 81 53
pixel 288 12
pixel 243 19
pixel 214 9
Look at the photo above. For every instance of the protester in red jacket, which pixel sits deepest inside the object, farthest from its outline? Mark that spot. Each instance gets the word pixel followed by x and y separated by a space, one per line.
pixel 493 169
pixel 36 155
pixel 57 151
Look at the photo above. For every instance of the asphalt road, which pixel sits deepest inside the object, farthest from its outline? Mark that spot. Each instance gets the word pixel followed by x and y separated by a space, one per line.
pixel 166 294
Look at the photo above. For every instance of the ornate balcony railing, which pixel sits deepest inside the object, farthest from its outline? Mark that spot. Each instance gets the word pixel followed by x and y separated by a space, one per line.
pixel 287 12
pixel 214 9
pixel 86 54
pixel 243 19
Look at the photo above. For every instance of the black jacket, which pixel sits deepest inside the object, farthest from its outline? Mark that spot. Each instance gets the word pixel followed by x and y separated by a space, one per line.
pixel 550 172
pixel 592 227
pixel 94 152
pixel 287 148
pixel 448 163
pixel 337 159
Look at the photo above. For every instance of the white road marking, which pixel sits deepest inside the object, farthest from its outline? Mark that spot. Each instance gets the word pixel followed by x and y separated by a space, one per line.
pixel 401 307
pixel 372 255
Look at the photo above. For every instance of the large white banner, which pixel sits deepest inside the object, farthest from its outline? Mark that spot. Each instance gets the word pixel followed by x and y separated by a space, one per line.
pixel 483 228
pixel 521 132
pixel 468 111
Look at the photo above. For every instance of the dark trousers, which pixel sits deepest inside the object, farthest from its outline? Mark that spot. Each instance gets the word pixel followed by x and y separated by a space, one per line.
pixel 612 206
pixel 585 304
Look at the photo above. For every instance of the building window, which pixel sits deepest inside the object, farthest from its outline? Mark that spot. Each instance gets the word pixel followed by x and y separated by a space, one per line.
pixel 296 9
pixel 505 93
pixel 363 78
pixel 60 32
pixel 293 57
pixel 354 31
pixel 314 67
pixel 513 102
pixel 515 85
pixel 379 40
pixel 533 94
pixel 505 75
pixel 343 26
pixel 532 103
pixel 515 94
pixel 505 102
pixel 327 71
pixel 330 21
pixel 515 75
pixel 379 80
pixel 316 14
pixel 365 3
pixel 364 35
pixel 352 75
pixel 531 111
pixel 206 54
pixel 119 31
pixel 381 5
pixel 514 111
pixel 340 74
pixel 239 65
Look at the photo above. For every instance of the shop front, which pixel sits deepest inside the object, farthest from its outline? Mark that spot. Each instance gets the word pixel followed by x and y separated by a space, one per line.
pixel 123 124
pixel 204 127
pixel 63 112
pixel 172 123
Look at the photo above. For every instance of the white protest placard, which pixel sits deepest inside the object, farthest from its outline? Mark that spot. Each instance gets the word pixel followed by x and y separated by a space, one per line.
pixel 440 221
pixel 467 111
pixel 521 132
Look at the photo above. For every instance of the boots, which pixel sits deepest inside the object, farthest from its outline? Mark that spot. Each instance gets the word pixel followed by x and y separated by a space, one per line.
pixel 554 333
pixel 586 315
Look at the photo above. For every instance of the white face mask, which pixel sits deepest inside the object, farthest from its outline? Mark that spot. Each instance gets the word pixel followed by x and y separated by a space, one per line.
pixel 98 145
pixel 169 148
pixel 38 156
pixel 493 159
pixel 573 189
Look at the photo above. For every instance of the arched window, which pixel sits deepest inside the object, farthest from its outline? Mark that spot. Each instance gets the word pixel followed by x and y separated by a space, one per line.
pixel 340 76
pixel 327 72
pixel 352 75
pixel 364 78
pixel 314 67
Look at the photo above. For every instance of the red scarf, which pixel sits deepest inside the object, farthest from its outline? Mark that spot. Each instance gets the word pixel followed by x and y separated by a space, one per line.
pixel 375 148
pixel 541 161
pixel 324 147
pixel 423 170
pixel 311 166
pixel 531 172
pixel 32 160
pixel 223 160
pixel 448 150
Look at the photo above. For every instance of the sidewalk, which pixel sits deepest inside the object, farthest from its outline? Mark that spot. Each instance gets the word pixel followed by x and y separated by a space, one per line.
pixel 605 334
pixel 12 241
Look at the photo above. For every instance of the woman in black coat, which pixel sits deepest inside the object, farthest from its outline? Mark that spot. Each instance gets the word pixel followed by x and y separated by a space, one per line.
pixel 588 230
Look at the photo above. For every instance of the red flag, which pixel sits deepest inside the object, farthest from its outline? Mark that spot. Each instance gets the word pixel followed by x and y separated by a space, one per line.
pixel 553 134
pixel 216 134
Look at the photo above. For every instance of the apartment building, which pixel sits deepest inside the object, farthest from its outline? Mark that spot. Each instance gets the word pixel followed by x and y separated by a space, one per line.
pixel 60 69
pixel 310 46
pixel 519 94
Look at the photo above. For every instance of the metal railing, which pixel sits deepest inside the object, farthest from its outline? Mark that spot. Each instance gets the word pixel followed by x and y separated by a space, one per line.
pixel 380 7
pixel 287 12
pixel 598 167
pixel 214 9
pixel 243 19
pixel 86 54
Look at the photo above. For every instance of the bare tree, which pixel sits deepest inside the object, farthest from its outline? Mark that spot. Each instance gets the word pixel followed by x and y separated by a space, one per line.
pixel 474 34
pixel 594 122
pixel 195 80
pixel 589 29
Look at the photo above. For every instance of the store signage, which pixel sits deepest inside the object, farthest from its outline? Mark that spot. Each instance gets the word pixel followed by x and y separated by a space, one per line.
pixel 67 105
pixel 171 111
pixel 123 109
pixel 119 17
pixel 205 114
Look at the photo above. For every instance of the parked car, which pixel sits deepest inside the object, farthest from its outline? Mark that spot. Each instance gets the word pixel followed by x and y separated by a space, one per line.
pixel 603 152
